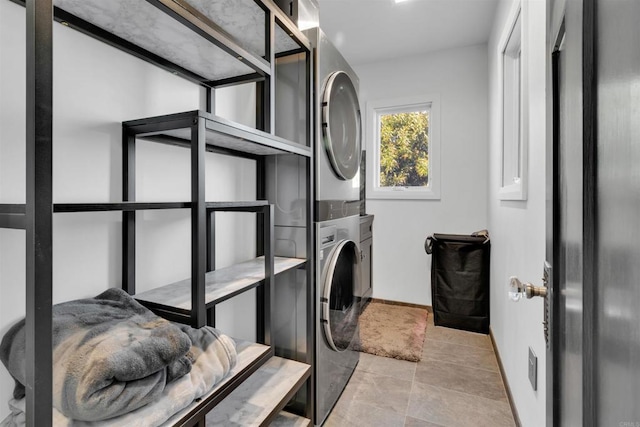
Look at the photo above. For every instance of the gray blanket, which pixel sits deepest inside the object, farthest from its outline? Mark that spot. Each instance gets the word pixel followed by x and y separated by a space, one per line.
pixel 111 355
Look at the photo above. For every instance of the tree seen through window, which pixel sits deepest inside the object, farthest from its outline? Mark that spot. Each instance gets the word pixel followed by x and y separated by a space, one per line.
pixel 404 149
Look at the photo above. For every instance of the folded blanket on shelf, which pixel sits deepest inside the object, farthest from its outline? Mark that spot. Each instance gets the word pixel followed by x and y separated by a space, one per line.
pixel 112 357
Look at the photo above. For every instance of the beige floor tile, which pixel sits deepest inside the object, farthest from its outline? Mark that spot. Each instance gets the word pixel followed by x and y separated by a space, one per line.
pixel 352 387
pixel 400 369
pixel 459 354
pixel 480 382
pixel 362 414
pixel 415 422
pixel 457 383
pixel 390 394
pixel 456 336
pixel 453 408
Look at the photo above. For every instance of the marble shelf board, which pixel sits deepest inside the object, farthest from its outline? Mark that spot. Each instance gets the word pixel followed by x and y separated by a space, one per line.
pixel 248 353
pixel 250 143
pixel 261 395
pixel 244 20
pixel 145 25
pixel 287 419
pixel 219 132
pixel 219 283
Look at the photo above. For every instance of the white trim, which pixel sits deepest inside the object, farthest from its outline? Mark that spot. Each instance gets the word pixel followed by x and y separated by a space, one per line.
pixel 432 190
pixel 518 189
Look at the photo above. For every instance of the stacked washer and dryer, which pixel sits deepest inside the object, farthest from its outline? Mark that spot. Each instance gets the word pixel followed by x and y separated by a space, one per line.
pixel 337 221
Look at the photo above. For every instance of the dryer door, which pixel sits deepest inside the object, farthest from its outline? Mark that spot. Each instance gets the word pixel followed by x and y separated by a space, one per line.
pixel 341 125
pixel 339 307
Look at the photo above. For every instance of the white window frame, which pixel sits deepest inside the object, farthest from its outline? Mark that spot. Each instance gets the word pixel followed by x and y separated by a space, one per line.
pixel 514 130
pixel 396 105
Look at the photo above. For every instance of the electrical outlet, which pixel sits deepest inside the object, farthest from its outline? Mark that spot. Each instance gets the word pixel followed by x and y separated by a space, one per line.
pixel 533 369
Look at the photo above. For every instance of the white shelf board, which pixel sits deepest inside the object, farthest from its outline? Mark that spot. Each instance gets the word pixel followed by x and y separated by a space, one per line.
pixel 219 283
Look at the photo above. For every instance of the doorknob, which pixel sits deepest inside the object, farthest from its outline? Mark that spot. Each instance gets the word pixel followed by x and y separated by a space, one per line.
pixel 517 289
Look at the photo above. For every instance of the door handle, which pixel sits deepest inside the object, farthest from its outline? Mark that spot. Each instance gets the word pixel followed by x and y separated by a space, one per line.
pixel 535 291
pixel 517 289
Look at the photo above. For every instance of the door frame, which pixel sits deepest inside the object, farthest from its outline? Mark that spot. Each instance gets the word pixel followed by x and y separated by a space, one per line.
pixel 552 240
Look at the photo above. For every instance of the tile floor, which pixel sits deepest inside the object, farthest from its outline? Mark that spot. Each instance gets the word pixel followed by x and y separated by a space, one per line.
pixel 457 383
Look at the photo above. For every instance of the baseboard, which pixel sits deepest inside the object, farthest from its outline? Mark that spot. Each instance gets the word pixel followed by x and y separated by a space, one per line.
pixel 405 304
pixel 514 410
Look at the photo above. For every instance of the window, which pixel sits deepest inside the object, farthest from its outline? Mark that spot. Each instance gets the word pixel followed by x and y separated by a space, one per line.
pixel 512 179
pixel 403 139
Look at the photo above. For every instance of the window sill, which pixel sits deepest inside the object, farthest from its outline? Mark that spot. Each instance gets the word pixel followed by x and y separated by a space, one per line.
pixel 403 194
pixel 512 192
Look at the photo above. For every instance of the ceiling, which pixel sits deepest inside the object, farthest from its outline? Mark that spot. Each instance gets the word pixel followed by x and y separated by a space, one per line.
pixel 375 30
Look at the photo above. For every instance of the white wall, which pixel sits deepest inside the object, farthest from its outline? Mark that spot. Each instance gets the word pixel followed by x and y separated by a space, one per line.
pixel 518 228
pixel 401 268
pixel 96 87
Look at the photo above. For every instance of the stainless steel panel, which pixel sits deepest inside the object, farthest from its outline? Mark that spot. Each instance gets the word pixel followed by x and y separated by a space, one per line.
pixel 289 327
pixel 290 241
pixel 366 226
pixel 618 314
pixel 289 317
pixel 290 294
pixel 305 13
pixel 291 99
pixel 570 226
pixel 327 210
pixel 286 185
pixel 363 182
pixel 290 302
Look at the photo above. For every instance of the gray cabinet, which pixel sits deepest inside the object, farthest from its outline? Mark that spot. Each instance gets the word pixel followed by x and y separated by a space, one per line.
pixel 366 244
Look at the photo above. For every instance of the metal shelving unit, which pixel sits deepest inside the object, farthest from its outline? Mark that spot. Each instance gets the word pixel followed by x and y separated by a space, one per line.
pixel 234 51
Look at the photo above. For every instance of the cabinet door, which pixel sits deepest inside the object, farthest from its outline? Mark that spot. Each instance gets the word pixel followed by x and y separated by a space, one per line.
pixel 366 264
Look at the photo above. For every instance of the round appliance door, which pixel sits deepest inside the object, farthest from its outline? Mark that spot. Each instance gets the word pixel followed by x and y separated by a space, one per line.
pixel 339 307
pixel 341 125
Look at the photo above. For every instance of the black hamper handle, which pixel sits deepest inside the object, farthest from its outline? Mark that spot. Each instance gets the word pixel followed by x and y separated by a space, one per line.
pixel 428 245
pixel 481 237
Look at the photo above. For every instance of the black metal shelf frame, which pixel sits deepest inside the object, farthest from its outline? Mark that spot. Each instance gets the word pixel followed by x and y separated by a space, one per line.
pixel 35 216
pixel 202 246
pixel 14 214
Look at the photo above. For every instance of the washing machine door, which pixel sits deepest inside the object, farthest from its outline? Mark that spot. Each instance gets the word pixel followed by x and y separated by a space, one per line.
pixel 341 125
pixel 339 307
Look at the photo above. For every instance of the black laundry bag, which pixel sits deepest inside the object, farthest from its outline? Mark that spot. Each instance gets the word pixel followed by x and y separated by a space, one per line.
pixel 460 280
